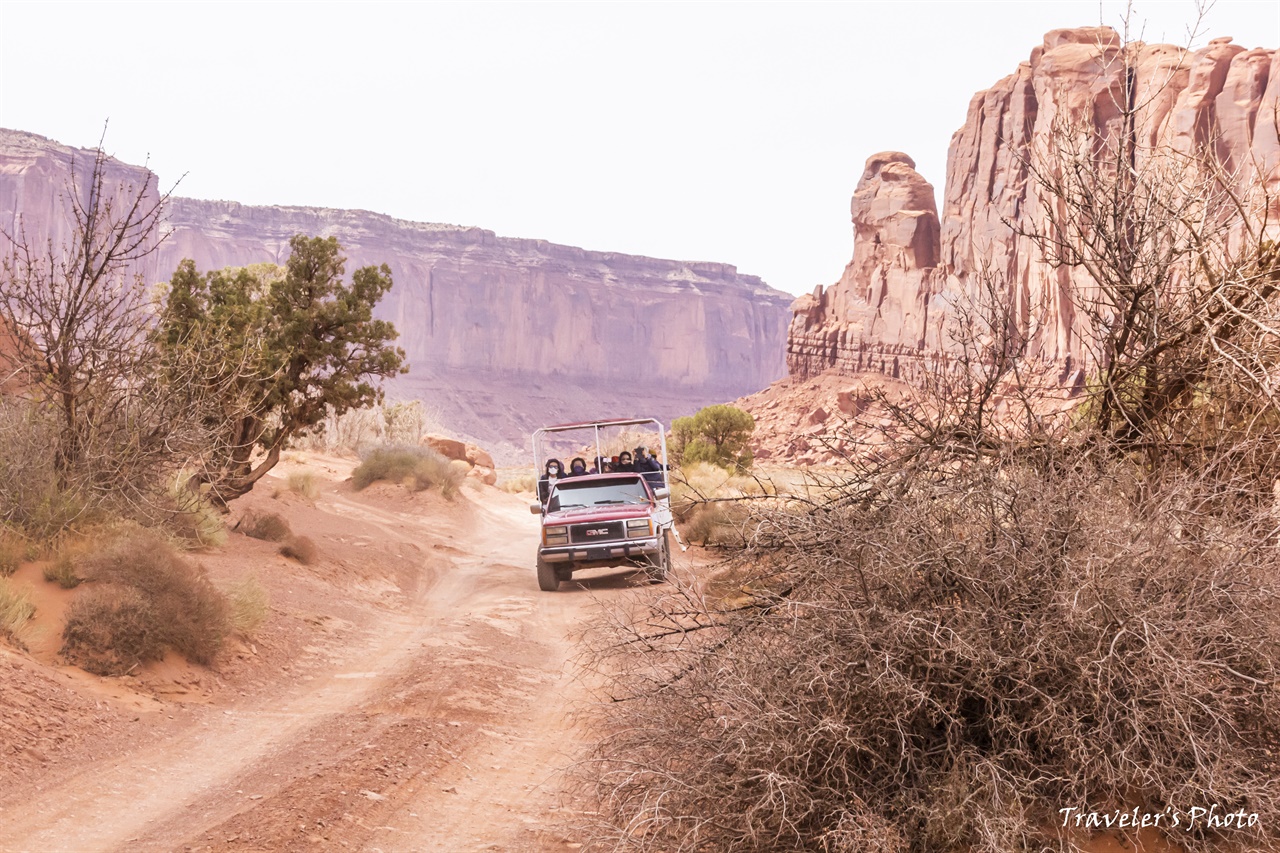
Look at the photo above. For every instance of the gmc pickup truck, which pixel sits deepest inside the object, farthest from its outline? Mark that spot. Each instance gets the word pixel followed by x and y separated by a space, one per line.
pixel 614 517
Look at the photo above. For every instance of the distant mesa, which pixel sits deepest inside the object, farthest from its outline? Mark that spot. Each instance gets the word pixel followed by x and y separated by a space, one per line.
pixel 502 334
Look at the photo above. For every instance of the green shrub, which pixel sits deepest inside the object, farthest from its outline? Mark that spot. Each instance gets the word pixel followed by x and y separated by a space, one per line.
pixel 300 548
pixel 145 598
pixel 419 468
pixel 716 434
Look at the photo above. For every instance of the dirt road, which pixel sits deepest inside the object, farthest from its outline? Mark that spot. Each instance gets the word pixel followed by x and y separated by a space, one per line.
pixel 426 710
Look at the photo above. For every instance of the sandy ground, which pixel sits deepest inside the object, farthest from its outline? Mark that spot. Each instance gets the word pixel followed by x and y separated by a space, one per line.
pixel 412 690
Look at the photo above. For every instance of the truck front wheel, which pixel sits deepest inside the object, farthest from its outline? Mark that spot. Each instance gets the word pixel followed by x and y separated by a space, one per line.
pixel 660 563
pixel 548 581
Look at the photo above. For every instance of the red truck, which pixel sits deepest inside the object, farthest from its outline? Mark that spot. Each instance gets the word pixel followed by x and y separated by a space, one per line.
pixel 617 512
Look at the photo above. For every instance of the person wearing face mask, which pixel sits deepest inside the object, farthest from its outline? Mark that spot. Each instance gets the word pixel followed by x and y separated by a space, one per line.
pixel 553 471
pixel 624 462
pixel 577 467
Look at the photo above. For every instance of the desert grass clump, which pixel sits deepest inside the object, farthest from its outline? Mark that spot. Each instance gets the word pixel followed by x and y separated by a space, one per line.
pixel 192 517
pixel 300 548
pixel 304 484
pixel 267 526
pixel 15 609
pixel 144 598
pixel 519 484
pixel 249 605
pixel 419 468
pixel 62 569
pixel 13 552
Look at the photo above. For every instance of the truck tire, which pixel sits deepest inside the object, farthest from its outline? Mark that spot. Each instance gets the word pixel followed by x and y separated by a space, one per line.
pixel 548 580
pixel 660 563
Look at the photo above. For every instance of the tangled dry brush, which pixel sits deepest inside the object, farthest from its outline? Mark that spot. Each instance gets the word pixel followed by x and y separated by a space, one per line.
pixel 947 669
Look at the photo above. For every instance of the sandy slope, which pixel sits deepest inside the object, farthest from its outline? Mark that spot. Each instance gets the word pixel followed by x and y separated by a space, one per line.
pixel 410 692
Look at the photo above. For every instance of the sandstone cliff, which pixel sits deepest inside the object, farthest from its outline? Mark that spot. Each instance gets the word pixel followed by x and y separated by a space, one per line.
pixel 911 263
pixel 502 334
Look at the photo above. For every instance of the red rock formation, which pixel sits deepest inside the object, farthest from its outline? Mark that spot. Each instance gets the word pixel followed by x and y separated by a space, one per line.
pixel 887 312
pixel 876 318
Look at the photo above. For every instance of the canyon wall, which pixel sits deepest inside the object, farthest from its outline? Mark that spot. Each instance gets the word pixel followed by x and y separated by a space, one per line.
pixel 912 264
pixel 502 335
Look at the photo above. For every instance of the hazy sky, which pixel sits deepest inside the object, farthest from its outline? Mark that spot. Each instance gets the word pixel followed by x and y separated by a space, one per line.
pixel 724 131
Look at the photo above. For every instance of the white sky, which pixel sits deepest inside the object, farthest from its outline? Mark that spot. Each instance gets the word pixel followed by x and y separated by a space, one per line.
pixel 729 132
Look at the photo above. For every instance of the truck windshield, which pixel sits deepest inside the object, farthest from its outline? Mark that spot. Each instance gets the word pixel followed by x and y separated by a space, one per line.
pixel 570 495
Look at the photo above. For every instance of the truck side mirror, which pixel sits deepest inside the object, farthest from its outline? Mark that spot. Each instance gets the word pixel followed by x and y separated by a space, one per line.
pixel 662 492
pixel 535 508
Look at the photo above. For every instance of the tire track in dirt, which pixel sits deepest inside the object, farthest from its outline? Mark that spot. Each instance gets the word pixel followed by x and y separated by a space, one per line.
pixel 441 730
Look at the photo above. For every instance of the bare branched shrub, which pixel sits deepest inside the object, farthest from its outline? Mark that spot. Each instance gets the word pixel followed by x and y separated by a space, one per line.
pixel 143 598
pixel 947 669
pixel 300 548
pixel 393 423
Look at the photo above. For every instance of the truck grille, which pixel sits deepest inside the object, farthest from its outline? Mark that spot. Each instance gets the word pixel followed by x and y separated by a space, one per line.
pixel 605 531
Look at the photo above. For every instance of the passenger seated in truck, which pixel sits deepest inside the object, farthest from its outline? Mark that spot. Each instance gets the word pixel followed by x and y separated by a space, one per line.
pixel 649 467
pixel 624 462
pixel 577 467
pixel 644 462
pixel 553 471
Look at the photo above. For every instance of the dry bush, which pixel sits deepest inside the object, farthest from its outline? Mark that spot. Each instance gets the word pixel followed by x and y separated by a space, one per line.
pixel 111 630
pixel 519 484
pixel 249 605
pixel 15 609
pixel 268 526
pixel 420 468
pixel 947 668
pixel 398 422
pixel 144 598
pixel 304 484
pixel 300 548
pixel 708 504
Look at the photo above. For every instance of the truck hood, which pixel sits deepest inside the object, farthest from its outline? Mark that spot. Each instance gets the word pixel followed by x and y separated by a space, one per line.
pixel 612 512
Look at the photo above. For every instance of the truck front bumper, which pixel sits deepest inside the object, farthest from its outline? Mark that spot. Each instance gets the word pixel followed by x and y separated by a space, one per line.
pixel 620 550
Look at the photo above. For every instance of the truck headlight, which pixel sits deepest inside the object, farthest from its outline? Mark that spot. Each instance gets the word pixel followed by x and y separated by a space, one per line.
pixel 555 536
pixel 639 527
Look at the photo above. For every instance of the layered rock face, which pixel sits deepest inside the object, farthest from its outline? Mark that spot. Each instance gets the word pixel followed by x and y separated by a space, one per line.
pixel 40 182
pixel 467 300
pixel 502 335
pixel 1221 98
